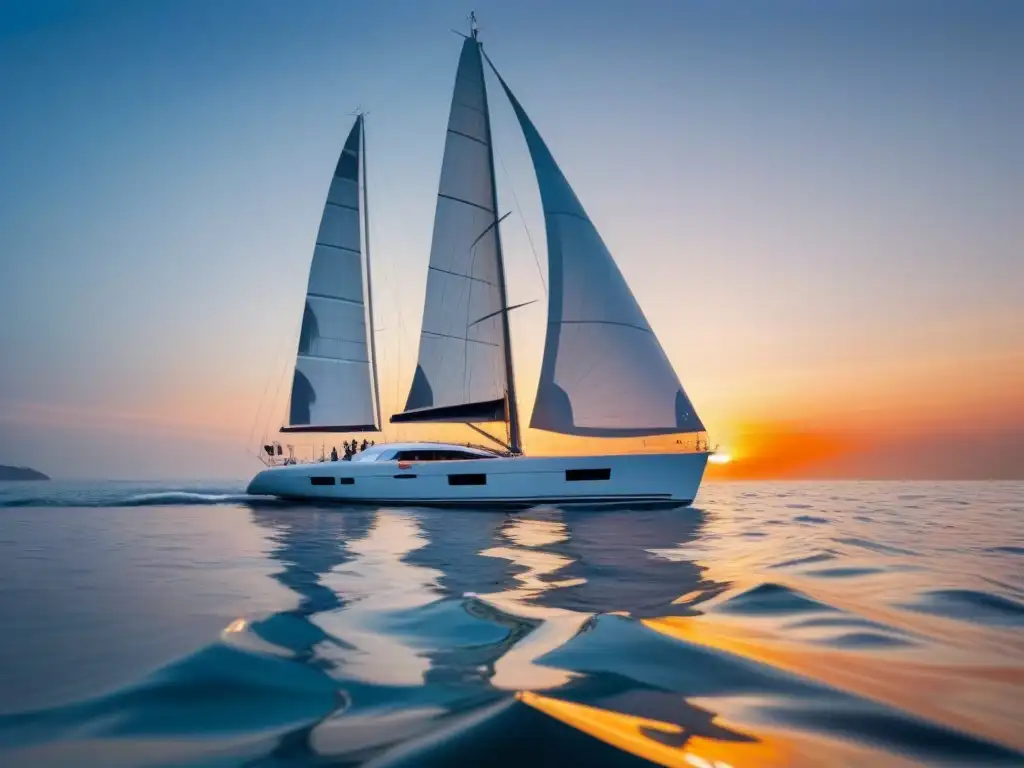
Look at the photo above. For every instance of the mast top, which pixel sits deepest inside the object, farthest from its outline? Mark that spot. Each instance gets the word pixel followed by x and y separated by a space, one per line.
pixel 473 28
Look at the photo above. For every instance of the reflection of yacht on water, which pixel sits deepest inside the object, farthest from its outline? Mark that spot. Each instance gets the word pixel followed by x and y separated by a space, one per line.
pixel 308 545
pixel 407 655
pixel 603 375
pixel 399 654
pixel 615 555
pixel 367 612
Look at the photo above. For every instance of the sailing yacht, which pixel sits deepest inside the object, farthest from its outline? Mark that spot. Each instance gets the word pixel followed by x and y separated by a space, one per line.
pixel 603 373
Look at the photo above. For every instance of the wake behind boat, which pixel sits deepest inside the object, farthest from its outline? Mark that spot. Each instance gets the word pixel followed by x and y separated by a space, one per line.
pixel 603 374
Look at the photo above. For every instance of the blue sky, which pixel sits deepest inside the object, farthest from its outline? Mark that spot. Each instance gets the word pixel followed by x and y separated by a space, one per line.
pixel 801 195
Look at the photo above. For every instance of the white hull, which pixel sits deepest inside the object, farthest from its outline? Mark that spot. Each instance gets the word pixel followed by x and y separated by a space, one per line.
pixel 669 479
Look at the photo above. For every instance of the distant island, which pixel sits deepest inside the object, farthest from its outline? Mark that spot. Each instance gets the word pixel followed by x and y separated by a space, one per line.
pixel 20 473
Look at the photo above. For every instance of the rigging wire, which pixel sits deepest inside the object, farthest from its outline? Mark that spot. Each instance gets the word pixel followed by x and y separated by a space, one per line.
pixel 270 411
pixel 390 287
pixel 281 348
pixel 519 210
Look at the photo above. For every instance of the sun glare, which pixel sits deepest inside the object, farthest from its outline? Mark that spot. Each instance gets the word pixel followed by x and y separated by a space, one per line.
pixel 719 458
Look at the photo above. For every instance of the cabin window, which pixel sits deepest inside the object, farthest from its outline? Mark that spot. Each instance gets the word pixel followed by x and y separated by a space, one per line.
pixel 572 475
pixel 416 456
pixel 467 479
pixel 346 481
pixel 461 455
pixel 405 477
pixel 321 481
pixel 436 455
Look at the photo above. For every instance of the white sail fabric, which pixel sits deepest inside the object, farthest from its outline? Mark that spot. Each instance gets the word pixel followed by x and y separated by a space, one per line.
pixel 333 384
pixel 460 372
pixel 604 373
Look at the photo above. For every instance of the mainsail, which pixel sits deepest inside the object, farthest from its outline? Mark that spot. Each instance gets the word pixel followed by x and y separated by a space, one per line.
pixel 335 371
pixel 603 373
pixel 463 371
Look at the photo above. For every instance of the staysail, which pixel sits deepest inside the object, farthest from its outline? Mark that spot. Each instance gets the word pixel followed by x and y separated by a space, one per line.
pixel 463 371
pixel 335 374
pixel 603 373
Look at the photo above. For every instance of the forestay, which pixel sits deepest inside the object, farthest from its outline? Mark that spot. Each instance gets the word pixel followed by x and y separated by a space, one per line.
pixel 604 373
pixel 461 370
pixel 333 385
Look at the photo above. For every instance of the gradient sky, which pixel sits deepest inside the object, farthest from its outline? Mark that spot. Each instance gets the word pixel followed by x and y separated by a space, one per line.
pixel 820 207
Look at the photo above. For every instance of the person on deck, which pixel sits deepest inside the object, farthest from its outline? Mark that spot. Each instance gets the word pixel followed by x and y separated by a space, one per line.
pixel 334 453
pixel 365 445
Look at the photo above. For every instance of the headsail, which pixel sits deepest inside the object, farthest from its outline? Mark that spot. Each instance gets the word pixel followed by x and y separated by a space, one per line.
pixel 604 373
pixel 462 372
pixel 334 384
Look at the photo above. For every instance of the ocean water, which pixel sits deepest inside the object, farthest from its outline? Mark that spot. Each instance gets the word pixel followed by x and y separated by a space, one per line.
pixel 769 625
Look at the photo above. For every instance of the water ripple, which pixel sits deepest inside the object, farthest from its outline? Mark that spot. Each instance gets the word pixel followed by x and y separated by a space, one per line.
pixel 771 599
pixel 736 633
pixel 971 606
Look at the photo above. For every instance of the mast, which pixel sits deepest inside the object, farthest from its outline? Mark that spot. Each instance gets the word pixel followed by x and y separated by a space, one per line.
pixel 369 286
pixel 464 365
pixel 514 437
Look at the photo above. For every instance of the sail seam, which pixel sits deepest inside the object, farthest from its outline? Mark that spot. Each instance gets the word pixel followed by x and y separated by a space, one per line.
pixel 470 106
pixel 339 247
pixel 342 205
pixel 600 322
pixel 467 136
pixel 466 202
pixel 459 274
pixel 308 356
pixel 333 298
pixel 459 338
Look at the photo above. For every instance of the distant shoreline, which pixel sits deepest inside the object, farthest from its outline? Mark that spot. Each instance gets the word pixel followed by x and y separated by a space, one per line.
pixel 20 473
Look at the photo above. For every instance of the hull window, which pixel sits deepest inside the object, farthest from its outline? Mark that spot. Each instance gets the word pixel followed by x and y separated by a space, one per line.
pixel 346 481
pixel 467 479
pixel 321 481
pixel 405 477
pixel 572 475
